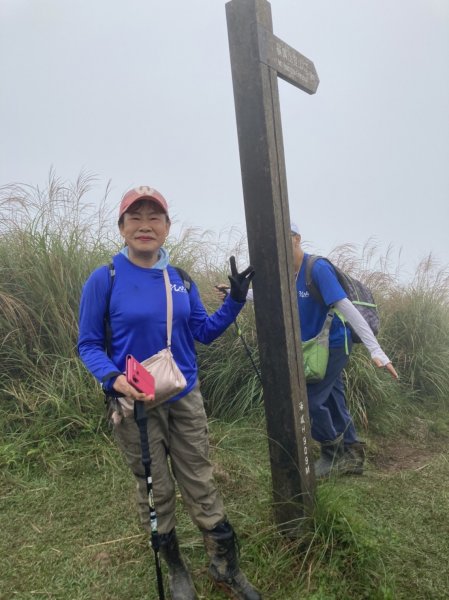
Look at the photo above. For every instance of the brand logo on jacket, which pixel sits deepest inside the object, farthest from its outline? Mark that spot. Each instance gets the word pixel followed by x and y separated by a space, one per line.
pixel 178 288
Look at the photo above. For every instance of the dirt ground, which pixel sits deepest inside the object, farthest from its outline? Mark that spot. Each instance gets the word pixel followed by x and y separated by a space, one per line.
pixel 397 456
pixel 401 454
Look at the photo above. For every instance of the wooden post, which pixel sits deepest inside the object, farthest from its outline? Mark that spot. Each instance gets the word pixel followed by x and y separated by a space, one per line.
pixel 257 59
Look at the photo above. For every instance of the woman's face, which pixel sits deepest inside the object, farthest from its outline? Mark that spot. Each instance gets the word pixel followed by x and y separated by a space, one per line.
pixel 144 229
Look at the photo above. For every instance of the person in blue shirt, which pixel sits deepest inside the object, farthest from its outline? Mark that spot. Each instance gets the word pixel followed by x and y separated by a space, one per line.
pixel 177 429
pixel 331 423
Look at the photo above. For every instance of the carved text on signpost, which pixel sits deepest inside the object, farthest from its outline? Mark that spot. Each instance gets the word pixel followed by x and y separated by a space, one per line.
pixel 290 64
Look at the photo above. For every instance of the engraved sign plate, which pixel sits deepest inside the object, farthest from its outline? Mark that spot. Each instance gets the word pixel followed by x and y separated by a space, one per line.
pixel 290 64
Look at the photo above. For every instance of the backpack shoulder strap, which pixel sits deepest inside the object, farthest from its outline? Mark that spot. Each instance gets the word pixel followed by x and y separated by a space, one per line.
pixel 187 280
pixel 310 284
pixel 108 332
pixel 111 284
pixel 107 315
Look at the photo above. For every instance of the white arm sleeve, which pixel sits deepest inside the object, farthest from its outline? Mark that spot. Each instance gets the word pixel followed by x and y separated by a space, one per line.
pixel 363 330
pixel 250 295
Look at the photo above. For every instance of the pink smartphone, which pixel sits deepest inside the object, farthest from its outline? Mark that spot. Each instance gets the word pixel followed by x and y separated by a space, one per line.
pixel 138 376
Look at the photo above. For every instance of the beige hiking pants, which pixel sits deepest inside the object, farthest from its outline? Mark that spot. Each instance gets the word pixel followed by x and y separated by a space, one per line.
pixel 179 448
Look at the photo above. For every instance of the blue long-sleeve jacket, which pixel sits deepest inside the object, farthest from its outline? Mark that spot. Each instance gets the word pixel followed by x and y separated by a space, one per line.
pixel 138 318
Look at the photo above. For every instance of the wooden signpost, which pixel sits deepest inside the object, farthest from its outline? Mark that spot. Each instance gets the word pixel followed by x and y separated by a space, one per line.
pixel 258 57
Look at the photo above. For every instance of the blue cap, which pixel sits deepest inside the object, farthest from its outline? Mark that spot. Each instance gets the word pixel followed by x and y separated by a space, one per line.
pixel 294 228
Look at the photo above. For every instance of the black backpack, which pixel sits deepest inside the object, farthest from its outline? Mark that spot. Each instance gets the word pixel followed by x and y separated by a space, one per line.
pixel 357 292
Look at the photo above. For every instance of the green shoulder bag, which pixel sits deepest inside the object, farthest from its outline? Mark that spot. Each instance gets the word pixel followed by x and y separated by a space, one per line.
pixel 315 353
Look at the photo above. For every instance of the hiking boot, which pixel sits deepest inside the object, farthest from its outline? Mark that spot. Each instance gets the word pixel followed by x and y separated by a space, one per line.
pixel 179 580
pixel 222 549
pixel 331 458
pixel 354 458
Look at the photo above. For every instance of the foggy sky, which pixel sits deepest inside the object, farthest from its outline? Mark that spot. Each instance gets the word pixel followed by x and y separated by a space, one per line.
pixel 140 92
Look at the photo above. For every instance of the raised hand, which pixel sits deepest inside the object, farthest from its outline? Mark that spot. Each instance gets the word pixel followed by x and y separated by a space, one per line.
pixel 239 281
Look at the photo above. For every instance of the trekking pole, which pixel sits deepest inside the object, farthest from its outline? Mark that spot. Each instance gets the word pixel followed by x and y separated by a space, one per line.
pixel 248 351
pixel 141 421
pixel 224 290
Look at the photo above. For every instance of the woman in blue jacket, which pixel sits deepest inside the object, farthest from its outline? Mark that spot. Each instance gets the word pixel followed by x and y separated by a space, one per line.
pixel 177 429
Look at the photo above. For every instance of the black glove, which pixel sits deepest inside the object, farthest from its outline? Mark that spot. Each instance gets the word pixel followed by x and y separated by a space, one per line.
pixel 239 281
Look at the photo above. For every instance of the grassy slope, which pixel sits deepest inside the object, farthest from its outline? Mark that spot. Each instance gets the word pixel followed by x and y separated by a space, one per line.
pixel 413 507
pixel 71 532
pixel 67 519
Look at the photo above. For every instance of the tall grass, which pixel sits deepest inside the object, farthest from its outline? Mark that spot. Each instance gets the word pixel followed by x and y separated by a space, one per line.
pixel 50 241
pixel 414 333
pixel 417 329
pixel 231 381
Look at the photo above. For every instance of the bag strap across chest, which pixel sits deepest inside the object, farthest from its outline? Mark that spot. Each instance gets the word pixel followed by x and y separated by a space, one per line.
pixel 187 281
pixel 169 307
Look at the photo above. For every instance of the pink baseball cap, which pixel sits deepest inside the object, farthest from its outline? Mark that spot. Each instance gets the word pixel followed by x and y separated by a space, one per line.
pixel 139 193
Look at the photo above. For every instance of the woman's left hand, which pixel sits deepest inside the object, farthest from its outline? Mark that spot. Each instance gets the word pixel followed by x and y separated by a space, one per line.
pixel 239 281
